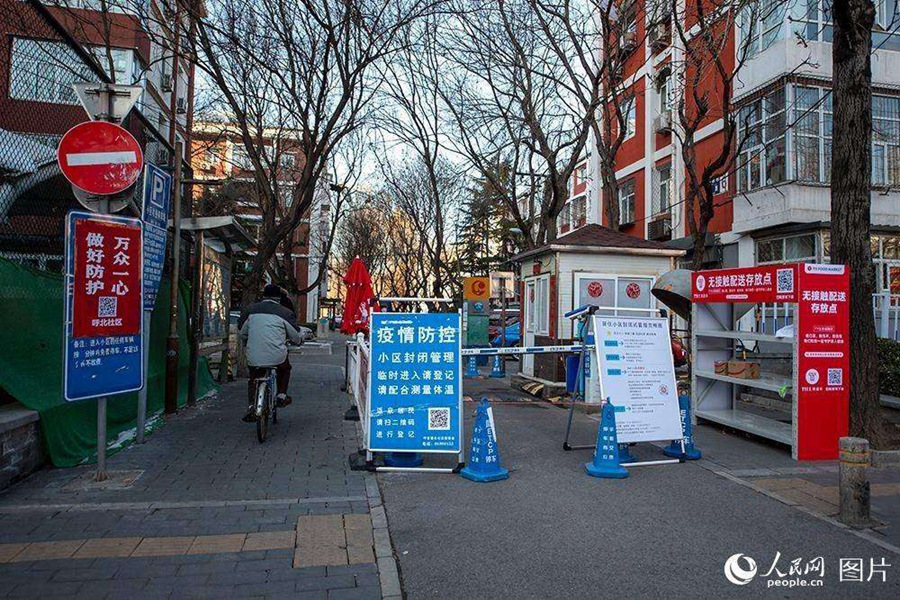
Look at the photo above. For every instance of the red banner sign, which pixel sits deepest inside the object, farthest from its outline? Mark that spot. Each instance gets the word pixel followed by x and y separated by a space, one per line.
pixel 773 283
pixel 107 267
pixel 823 348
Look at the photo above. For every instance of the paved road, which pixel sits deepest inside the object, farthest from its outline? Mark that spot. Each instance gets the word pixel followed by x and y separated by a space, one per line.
pixel 551 531
pixel 211 514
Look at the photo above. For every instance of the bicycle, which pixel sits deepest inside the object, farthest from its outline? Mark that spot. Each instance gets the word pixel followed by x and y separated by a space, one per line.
pixel 265 403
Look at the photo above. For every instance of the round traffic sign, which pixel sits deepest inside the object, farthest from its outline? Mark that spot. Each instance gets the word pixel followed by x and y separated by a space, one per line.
pixel 100 158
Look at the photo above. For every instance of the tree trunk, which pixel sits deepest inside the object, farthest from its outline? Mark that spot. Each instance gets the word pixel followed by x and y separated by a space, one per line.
pixel 610 194
pixel 851 168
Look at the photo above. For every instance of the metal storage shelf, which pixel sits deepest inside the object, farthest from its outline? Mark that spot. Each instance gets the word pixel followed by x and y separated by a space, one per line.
pixel 744 335
pixel 766 381
pixel 745 421
pixel 716 398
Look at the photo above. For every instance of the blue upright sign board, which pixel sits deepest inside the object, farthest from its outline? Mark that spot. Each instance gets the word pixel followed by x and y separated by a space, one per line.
pixel 157 198
pixel 415 383
pixel 103 324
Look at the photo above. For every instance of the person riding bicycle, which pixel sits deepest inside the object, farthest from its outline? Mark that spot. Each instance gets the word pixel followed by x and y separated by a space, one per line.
pixel 266 330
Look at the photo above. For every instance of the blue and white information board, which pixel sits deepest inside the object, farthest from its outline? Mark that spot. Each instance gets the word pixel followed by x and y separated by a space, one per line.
pixel 638 375
pixel 157 198
pixel 415 383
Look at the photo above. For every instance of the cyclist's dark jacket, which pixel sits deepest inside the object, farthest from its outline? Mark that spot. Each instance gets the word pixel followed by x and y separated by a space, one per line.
pixel 265 331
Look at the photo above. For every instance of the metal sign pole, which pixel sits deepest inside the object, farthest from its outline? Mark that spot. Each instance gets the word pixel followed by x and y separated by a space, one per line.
pixel 142 395
pixel 101 475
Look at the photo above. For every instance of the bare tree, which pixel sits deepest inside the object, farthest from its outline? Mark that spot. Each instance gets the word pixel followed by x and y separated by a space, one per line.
pixel 851 201
pixel 595 42
pixel 300 66
pixel 708 72
pixel 511 102
pixel 426 185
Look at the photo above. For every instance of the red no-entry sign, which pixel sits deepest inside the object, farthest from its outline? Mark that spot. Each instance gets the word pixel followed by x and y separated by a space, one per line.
pixel 100 158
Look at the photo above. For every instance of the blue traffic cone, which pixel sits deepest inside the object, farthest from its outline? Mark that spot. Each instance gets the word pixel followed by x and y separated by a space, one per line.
pixel 497 367
pixel 625 456
pixel 484 457
pixel 687 430
pixel 403 459
pixel 472 367
pixel 606 462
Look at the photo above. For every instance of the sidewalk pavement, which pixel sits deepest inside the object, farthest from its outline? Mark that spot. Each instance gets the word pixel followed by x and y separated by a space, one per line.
pixel 552 531
pixel 204 510
pixel 811 486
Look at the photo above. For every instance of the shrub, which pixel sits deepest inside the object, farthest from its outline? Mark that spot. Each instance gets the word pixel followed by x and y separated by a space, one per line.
pixel 889 366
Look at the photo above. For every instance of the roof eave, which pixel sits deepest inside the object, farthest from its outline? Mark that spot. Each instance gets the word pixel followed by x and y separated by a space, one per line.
pixel 668 252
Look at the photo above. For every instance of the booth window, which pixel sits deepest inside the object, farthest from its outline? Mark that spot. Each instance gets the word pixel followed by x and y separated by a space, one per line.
pixel 622 295
pixel 537 305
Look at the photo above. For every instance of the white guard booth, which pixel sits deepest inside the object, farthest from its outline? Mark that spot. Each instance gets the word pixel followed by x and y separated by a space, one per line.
pixel 595 266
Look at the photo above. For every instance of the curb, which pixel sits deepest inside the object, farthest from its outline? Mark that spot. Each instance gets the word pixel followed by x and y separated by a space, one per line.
pixel 384 551
pixel 388 571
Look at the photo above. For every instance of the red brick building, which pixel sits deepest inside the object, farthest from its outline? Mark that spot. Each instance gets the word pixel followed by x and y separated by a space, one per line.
pixel 773 203
pixel 218 153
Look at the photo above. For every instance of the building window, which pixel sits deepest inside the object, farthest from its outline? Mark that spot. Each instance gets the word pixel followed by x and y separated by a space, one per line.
pixel 122 63
pixel 811 134
pixel 662 189
pixel 885 141
pixel 761 131
pixel 579 211
pixel 627 202
pixel 664 89
pixel 811 137
pixel 629 113
pixel 565 219
pixel 580 175
pixel 239 157
pixel 761 24
pixel 44 71
pixel 797 248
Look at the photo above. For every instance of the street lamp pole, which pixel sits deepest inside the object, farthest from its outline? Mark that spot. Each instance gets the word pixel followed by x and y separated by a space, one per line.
pixel 172 342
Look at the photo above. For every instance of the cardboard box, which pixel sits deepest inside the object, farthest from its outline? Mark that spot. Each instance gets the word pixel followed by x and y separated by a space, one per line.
pixel 742 369
pixel 721 367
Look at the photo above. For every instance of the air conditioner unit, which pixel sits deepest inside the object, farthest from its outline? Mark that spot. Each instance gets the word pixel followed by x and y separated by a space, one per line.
pixel 662 123
pixel 660 229
pixel 165 82
pixel 628 42
pixel 181 106
pixel 660 36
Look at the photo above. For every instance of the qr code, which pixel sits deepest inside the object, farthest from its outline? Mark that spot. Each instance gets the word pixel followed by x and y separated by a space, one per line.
pixel 785 281
pixel 439 418
pixel 835 376
pixel 107 306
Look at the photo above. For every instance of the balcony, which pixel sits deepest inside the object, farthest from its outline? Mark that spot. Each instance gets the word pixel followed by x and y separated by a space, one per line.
pixel 660 35
pixel 796 202
pixel 786 56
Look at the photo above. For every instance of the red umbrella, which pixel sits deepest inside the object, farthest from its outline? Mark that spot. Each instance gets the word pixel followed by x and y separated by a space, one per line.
pixel 359 294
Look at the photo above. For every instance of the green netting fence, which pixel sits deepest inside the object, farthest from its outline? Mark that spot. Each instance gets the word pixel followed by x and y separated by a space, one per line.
pixel 31 359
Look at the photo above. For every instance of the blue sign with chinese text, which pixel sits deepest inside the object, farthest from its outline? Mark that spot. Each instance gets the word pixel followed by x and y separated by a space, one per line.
pixel 415 383
pixel 103 324
pixel 157 198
